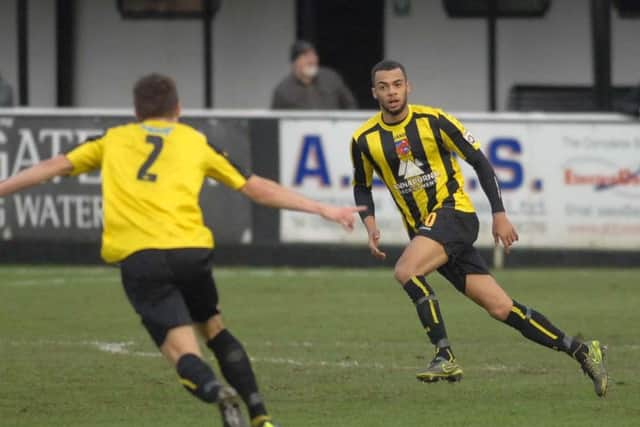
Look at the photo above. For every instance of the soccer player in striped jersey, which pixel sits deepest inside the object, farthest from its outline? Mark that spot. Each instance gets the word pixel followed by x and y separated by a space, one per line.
pixel 414 149
pixel 152 174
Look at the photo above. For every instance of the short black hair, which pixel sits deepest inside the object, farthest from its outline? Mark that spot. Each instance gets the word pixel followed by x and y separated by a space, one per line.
pixel 298 48
pixel 155 95
pixel 386 65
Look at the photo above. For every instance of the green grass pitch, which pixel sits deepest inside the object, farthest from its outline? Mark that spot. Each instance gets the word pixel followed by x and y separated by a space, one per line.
pixel 330 348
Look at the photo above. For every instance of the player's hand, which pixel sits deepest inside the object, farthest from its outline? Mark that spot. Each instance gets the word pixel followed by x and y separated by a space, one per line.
pixel 374 241
pixel 503 231
pixel 342 215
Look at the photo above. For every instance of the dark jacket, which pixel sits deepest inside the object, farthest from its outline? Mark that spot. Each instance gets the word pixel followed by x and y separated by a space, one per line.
pixel 327 91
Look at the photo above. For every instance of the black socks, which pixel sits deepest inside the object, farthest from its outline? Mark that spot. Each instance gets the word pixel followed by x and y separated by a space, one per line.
pixel 428 308
pixel 198 378
pixel 236 368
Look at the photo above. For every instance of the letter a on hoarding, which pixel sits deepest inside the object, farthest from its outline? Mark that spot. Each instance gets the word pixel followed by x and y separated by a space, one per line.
pixel 312 162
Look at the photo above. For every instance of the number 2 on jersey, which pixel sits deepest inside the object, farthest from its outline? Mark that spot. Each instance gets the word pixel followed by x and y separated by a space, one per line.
pixel 143 173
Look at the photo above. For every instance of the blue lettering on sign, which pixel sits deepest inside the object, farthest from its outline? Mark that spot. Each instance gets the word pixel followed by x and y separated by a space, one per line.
pixel 312 150
pixel 511 146
pixel 345 181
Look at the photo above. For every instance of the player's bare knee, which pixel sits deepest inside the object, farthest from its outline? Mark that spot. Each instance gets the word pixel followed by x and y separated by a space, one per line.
pixel 402 273
pixel 212 327
pixel 500 309
pixel 179 341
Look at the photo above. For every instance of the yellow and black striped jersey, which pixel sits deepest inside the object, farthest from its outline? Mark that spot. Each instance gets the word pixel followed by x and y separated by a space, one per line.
pixel 152 174
pixel 415 159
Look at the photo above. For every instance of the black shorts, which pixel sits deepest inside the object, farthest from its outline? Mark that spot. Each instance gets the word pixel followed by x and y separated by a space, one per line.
pixel 456 231
pixel 170 288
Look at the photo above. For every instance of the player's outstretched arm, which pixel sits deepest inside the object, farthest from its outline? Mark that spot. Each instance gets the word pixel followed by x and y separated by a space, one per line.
pixel 43 171
pixel 270 193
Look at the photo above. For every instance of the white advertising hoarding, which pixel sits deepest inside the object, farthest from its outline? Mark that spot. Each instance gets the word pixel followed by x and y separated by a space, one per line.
pixel 569 183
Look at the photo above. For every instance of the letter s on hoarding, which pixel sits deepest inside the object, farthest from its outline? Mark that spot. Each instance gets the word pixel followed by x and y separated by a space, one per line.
pixel 496 150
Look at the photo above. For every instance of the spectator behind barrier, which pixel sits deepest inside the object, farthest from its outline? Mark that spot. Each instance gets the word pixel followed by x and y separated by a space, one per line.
pixel 6 93
pixel 309 86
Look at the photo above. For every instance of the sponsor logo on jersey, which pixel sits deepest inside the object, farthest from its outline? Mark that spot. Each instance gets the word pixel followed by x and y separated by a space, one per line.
pixel 417 179
pixel 410 168
pixel 468 136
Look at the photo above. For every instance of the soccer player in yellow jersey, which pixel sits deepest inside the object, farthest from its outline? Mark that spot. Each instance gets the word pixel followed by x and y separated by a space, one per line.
pixel 414 150
pixel 152 173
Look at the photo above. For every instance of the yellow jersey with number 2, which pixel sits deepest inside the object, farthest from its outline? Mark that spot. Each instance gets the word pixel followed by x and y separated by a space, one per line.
pixel 152 174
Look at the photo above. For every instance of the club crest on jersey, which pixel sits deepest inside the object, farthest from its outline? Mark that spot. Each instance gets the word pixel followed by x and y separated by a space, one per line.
pixel 402 147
